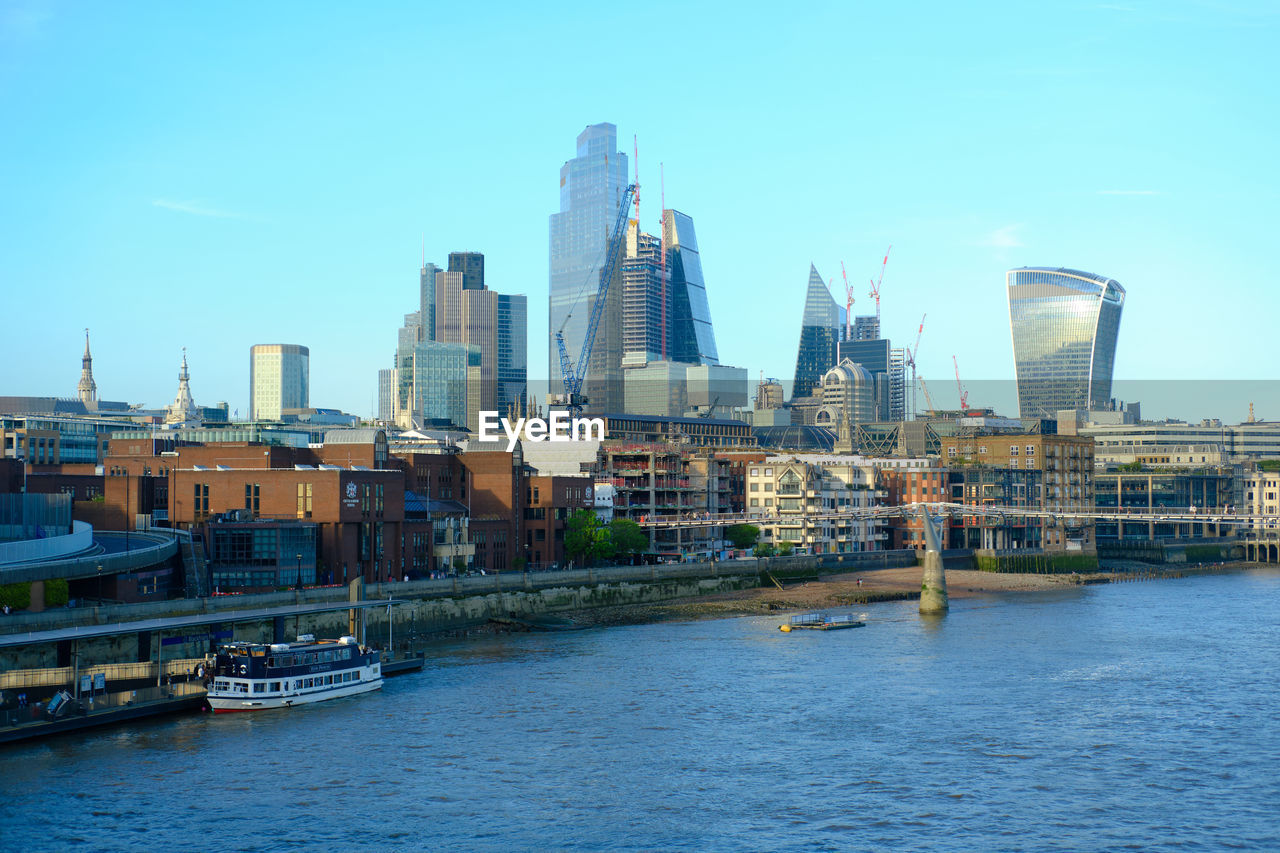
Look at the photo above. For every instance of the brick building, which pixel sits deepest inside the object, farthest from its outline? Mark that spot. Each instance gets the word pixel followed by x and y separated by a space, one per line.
pixel 550 501
pixel 1064 482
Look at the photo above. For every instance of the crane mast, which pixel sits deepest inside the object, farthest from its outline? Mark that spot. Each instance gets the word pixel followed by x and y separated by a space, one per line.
pixel 848 305
pixel 875 286
pixel 574 374
pixel 964 394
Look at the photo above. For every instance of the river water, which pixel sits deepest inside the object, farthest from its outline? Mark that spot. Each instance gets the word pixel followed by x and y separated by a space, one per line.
pixel 1140 715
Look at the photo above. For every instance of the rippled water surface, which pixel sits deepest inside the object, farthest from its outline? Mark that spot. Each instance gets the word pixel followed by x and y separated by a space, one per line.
pixel 1135 715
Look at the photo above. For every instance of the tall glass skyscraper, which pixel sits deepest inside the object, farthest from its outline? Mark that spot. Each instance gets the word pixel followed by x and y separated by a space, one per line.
pixel 513 358
pixel 1065 324
pixel 692 339
pixel 820 332
pixel 591 187
pixel 686 316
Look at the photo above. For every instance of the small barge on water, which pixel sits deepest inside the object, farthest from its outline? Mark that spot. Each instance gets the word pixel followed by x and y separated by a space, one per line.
pixel 821 622
pixel 258 676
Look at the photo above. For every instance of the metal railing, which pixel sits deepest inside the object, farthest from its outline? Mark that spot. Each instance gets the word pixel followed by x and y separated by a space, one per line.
pixel 34 713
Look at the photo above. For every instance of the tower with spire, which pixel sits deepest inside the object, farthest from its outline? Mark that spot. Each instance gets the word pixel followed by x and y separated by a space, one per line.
pixel 87 390
pixel 183 409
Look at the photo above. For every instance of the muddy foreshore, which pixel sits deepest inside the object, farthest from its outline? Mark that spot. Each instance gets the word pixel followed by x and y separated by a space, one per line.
pixel 838 590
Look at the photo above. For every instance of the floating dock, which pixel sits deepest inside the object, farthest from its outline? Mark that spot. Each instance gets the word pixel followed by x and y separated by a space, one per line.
pixel 821 622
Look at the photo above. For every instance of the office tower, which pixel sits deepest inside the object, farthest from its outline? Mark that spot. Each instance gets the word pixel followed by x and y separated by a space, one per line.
pixel 470 317
pixel 1065 324
pixel 427 300
pixel 820 331
pixel 386 395
pixel 87 390
pixel 849 396
pixel 591 189
pixel 887 365
pixel 665 318
pixel 657 388
pixel 471 266
pixel 513 350
pixel 643 316
pixel 279 378
pixel 409 335
pixel 692 339
pixel 443 376
pixel 866 328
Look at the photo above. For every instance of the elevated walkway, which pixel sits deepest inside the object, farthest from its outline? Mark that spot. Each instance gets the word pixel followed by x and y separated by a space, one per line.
pixel 100 552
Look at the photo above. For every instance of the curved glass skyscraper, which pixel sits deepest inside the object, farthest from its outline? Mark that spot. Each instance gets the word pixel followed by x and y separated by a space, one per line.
pixel 1064 324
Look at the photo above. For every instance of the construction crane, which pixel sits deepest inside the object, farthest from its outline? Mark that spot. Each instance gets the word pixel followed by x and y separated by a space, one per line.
pixel 911 362
pixel 964 395
pixel 875 286
pixel 848 305
pixel 573 375
pixel 928 400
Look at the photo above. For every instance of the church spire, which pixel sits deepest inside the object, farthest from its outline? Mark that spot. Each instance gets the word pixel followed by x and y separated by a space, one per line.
pixel 87 390
pixel 183 409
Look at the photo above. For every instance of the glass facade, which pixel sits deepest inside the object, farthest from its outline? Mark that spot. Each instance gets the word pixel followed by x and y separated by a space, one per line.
pixel 692 338
pixel 820 332
pixel 279 379
pixel 513 349
pixel 440 381
pixel 1065 324
pixel 262 555
pixel 591 188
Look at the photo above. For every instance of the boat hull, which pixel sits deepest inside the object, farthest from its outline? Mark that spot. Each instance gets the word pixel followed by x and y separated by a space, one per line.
pixel 238 703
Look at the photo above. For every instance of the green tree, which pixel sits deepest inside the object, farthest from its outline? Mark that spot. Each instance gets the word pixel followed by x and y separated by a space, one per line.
pixel 786 549
pixel 764 549
pixel 627 537
pixel 742 536
pixel 586 539
pixel 1130 467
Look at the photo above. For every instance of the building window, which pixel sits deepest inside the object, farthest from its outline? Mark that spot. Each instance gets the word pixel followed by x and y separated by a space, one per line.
pixel 304 500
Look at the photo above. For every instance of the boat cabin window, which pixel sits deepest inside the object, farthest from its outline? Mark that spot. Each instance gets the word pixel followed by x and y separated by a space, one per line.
pixel 259 687
pixel 275 687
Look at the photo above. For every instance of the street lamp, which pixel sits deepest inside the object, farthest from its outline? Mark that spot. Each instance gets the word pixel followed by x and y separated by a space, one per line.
pixel 99 583
pixel 299 571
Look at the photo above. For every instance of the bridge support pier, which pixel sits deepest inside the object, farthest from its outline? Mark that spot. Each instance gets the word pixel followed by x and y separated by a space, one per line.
pixel 933 586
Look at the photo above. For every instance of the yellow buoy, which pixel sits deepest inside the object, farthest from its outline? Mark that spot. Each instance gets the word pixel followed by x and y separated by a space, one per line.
pixel 786 629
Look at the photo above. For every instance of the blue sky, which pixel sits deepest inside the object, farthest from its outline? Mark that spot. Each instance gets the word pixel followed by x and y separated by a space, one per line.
pixel 219 175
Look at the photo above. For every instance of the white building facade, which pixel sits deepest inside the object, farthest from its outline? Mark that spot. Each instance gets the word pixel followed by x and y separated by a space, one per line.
pixel 799 499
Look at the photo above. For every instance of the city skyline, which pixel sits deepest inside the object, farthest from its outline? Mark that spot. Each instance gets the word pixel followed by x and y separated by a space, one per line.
pixel 183 209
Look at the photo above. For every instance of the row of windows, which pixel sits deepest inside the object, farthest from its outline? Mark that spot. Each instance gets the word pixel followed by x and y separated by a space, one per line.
pixel 309 658
pixel 279 686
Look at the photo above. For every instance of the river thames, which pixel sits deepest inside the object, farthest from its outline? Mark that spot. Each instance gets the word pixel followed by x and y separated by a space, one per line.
pixel 1139 715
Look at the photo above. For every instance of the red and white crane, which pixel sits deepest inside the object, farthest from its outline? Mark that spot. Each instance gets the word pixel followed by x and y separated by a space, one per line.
pixel 875 286
pixel 964 394
pixel 848 304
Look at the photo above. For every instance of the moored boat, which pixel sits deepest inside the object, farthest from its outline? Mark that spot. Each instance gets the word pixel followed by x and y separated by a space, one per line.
pixel 821 622
pixel 259 676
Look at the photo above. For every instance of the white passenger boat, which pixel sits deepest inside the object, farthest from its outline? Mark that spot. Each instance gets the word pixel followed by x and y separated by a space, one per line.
pixel 258 676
